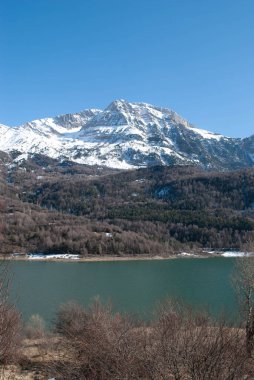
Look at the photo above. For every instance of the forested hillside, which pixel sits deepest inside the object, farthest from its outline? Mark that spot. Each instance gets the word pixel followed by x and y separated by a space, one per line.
pixel 50 206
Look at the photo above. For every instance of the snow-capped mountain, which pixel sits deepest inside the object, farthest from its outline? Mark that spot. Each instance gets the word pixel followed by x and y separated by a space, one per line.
pixel 126 135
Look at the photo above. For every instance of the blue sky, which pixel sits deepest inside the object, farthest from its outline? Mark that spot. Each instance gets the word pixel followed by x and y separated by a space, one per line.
pixel 194 56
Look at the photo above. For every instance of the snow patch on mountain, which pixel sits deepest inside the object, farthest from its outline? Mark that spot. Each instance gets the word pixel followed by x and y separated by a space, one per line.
pixel 206 134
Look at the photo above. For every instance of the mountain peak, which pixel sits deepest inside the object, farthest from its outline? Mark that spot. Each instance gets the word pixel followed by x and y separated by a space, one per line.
pixel 126 135
pixel 118 105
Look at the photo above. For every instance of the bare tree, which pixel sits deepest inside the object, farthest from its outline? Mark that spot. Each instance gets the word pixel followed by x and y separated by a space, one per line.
pixel 9 323
pixel 243 281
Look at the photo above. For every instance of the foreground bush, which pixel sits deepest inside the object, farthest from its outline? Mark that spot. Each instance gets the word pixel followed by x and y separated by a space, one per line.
pixel 35 327
pixel 188 345
pixel 179 344
pixel 96 343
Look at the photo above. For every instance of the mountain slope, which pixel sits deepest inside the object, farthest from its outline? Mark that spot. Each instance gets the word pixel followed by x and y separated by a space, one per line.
pixel 248 145
pixel 127 135
pixel 156 210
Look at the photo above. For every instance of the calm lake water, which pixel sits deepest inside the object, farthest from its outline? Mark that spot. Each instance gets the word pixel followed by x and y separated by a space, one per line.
pixel 132 286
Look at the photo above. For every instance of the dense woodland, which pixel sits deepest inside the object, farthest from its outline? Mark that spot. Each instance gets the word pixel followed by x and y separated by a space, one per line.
pixel 52 206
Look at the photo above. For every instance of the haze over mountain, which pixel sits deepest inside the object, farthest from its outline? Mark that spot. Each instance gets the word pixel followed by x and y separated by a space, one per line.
pixel 127 135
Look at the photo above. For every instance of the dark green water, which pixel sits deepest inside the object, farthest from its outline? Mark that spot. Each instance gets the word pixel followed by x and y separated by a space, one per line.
pixel 132 286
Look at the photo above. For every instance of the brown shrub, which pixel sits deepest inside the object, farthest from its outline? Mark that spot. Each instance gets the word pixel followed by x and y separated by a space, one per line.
pixel 180 344
pixel 35 327
pixel 97 344
pixel 189 345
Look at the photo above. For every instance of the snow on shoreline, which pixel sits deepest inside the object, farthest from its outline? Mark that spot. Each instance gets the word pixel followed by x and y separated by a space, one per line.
pixel 218 254
pixel 70 257
pixel 39 256
pixel 236 254
pixel 187 254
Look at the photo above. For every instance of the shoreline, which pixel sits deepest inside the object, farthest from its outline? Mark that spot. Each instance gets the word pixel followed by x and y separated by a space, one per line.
pixel 91 259
pixel 67 257
pixel 107 258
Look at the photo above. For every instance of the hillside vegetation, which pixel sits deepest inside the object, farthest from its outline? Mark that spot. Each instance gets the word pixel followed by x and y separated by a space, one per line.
pixel 49 206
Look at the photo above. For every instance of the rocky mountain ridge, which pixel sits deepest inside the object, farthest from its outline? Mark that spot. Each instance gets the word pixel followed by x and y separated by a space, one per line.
pixel 127 135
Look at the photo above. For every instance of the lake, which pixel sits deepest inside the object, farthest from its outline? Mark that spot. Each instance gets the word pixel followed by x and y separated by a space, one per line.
pixel 131 286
